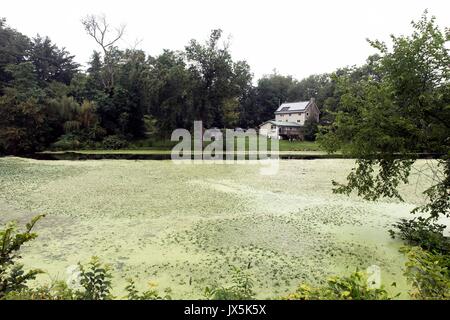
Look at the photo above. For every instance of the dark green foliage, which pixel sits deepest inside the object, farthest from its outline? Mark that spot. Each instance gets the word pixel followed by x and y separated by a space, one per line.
pixel 31 72
pixel 13 49
pixel 67 142
pixel 171 92
pixel 51 63
pixel 96 280
pixel 218 81
pixel 395 111
pixel 422 232
pixel 271 91
pixel 13 278
pixel 126 87
pixel 310 130
pixel 114 143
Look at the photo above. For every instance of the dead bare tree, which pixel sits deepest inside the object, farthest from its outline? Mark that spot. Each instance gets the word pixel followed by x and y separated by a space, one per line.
pixel 135 44
pixel 106 37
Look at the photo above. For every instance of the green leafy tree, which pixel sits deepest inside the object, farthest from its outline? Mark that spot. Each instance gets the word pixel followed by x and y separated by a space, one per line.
pixel 271 91
pixel 400 110
pixel 25 126
pixel 219 79
pixel 171 92
pixel 13 50
pixel 51 63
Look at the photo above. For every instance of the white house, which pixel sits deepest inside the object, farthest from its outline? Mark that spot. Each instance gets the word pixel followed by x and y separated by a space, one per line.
pixel 290 119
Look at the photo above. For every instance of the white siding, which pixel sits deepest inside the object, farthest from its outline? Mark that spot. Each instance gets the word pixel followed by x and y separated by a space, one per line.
pixel 269 130
pixel 297 117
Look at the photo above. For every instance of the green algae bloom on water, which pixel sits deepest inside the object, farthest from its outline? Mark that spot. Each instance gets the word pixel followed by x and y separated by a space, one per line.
pixel 181 226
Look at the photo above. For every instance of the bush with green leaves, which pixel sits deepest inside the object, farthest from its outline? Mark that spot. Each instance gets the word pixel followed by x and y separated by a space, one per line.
pixel 241 288
pixel 151 294
pixel 95 278
pixel 429 274
pixel 58 290
pixel 94 281
pixel 353 287
pixel 67 142
pixel 13 278
pixel 114 143
pixel 422 232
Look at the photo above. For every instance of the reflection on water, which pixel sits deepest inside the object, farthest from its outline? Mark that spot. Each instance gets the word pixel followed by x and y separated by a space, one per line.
pixel 93 156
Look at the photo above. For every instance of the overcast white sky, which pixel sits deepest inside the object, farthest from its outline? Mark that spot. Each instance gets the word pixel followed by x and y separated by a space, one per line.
pixel 294 37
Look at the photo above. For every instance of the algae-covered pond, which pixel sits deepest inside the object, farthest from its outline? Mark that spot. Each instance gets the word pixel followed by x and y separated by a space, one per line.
pixel 183 226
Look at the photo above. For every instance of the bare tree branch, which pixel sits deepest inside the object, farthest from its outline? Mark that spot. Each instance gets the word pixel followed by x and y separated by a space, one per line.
pixel 99 29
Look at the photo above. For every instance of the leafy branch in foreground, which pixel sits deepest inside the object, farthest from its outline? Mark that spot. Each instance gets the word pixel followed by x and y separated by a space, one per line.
pixel 429 274
pixel 439 194
pixel 241 288
pixel 12 275
pixel 373 184
pixel 422 232
pixel 96 280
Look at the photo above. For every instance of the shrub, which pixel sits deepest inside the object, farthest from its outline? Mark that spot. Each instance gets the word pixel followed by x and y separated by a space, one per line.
pixel 422 232
pixel 151 294
pixel 13 277
pixel 241 288
pixel 57 291
pixel 114 142
pixel 428 273
pixel 67 142
pixel 96 280
pixel 353 287
pixel 96 133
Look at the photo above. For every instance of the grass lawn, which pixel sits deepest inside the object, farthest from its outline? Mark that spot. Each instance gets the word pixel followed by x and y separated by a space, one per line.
pixel 184 226
pixel 299 146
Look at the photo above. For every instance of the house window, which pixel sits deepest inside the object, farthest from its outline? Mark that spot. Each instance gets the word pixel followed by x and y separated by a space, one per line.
pixel 298 120
pixel 307 114
pixel 272 127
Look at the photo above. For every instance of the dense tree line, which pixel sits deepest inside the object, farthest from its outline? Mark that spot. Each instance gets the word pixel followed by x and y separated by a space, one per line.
pixel 46 99
pixel 125 94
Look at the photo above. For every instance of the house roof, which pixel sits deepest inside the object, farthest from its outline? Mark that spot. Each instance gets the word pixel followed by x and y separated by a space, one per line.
pixel 283 123
pixel 299 106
